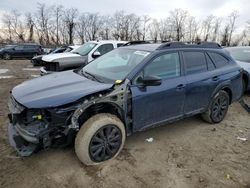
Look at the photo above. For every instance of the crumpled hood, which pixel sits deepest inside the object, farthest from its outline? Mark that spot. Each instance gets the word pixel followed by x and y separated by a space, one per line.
pixel 56 89
pixel 59 56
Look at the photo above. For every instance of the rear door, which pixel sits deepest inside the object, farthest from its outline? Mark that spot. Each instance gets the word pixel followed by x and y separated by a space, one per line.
pixel 18 51
pixel 200 80
pixel 156 104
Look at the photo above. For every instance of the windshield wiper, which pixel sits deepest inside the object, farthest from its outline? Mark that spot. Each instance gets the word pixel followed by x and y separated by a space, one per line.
pixel 91 76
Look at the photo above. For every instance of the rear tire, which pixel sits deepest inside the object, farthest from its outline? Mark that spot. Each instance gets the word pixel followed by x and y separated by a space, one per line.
pixel 100 139
pixel 244 86
pixel 218 108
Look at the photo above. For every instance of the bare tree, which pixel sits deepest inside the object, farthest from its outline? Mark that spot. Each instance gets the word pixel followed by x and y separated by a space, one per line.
pixel 42 23
pixel 94 25
pixel 145 26
pixel 70 16
pixel 30 26
pixel 207 26
pixel 178 19
pixel 57 14
pixel 216 29
pixel 225 36
pixel 7 21
pixel 154 30
pixel 232 18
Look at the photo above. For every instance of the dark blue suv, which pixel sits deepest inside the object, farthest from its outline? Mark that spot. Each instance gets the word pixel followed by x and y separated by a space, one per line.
pixel 126 90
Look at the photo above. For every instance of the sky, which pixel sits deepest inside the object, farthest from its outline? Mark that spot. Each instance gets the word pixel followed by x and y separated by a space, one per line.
pixel 154 8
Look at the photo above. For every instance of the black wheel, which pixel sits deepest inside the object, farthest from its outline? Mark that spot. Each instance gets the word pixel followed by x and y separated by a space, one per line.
pixel 218 108
pixel 100 139
pixel 6 56
pixel 105 143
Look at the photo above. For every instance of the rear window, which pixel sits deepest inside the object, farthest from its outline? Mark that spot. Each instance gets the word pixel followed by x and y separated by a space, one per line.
pixel 195 62
pixel 218 59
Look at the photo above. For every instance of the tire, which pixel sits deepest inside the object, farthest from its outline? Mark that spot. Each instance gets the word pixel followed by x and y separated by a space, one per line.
pixel 244 86
pixel 90 148
pixel 6 56
pixel 218 108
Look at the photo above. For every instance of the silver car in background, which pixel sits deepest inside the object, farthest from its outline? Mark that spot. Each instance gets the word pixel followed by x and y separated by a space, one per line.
pixel 242 56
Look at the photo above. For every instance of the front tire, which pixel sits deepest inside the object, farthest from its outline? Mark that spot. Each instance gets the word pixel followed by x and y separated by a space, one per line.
pixel 218 108
pixel 101 138
pixel 6 56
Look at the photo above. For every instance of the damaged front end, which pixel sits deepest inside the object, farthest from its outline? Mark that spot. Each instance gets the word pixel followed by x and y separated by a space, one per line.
pixel 31 130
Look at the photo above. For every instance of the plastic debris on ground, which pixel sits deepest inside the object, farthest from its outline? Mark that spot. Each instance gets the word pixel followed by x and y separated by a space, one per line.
pixel 242 139
pixel 149 140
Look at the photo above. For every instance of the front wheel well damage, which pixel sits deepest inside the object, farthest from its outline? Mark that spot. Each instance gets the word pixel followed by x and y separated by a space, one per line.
pixel 101 108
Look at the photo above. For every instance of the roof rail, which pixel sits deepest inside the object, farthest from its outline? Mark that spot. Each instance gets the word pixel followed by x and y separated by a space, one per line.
pixel 189 45
pixel 136 42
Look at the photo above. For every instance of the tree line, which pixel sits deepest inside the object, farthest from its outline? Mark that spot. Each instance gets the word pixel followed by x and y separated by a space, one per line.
pixel 57 25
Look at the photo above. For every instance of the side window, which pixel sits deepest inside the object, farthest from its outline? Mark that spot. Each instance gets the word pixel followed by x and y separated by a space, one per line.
pixel 195 62
pixel 19 48
pixel 164 66
pixel 105 48
pixel 210 64
pixel 218 59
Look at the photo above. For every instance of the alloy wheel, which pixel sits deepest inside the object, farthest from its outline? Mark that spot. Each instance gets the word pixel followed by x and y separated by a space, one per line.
pixel 105 143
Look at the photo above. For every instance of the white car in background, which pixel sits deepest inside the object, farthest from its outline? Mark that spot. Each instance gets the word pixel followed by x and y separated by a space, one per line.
pixel 78 57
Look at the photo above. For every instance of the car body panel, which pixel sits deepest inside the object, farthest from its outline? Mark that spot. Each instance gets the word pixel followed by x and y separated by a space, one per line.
pixel 56 90
pixel 244 64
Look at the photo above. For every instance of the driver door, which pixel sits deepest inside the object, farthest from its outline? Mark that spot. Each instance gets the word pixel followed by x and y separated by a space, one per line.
pixel 156 104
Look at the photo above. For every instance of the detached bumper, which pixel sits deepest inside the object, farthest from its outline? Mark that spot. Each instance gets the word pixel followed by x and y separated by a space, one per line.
pixel 18 140
pixel 43 71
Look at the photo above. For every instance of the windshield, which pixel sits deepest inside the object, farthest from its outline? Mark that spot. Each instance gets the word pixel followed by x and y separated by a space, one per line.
pixel 240 54
pixel 84 49
pixel 115 65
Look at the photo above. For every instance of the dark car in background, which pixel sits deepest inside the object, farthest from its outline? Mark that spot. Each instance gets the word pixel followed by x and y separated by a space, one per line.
pixel 25 50
pixel 127 90
pixel 37 60
pixel 242 56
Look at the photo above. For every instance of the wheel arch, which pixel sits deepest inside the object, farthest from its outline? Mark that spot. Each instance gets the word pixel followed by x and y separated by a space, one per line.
pixel 102 107
pixel 224 87
pixel 246 77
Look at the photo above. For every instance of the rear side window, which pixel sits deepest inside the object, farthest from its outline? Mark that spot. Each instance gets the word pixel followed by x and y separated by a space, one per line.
pixel 218 59
pixel 210 64
pixel 195 62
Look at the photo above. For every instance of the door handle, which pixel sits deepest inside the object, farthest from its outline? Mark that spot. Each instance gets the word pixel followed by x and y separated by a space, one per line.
pixel 180 87
pixel 215 78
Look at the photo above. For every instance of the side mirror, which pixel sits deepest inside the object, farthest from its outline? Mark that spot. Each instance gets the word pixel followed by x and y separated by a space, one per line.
pixel 96 54
pixel 150 81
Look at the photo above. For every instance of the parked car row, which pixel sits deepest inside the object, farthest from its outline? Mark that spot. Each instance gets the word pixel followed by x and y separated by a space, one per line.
pixel 78 57
pixel 129 89
pixel 37 60
pixel 27 50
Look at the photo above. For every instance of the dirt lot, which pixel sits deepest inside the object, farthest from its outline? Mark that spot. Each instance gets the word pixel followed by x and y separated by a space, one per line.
pixel 189 153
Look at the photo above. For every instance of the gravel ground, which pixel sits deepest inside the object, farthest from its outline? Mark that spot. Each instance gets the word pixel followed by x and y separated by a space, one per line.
pixel 188 153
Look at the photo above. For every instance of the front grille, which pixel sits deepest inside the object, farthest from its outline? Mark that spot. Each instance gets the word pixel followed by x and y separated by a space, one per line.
pixel 51 66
